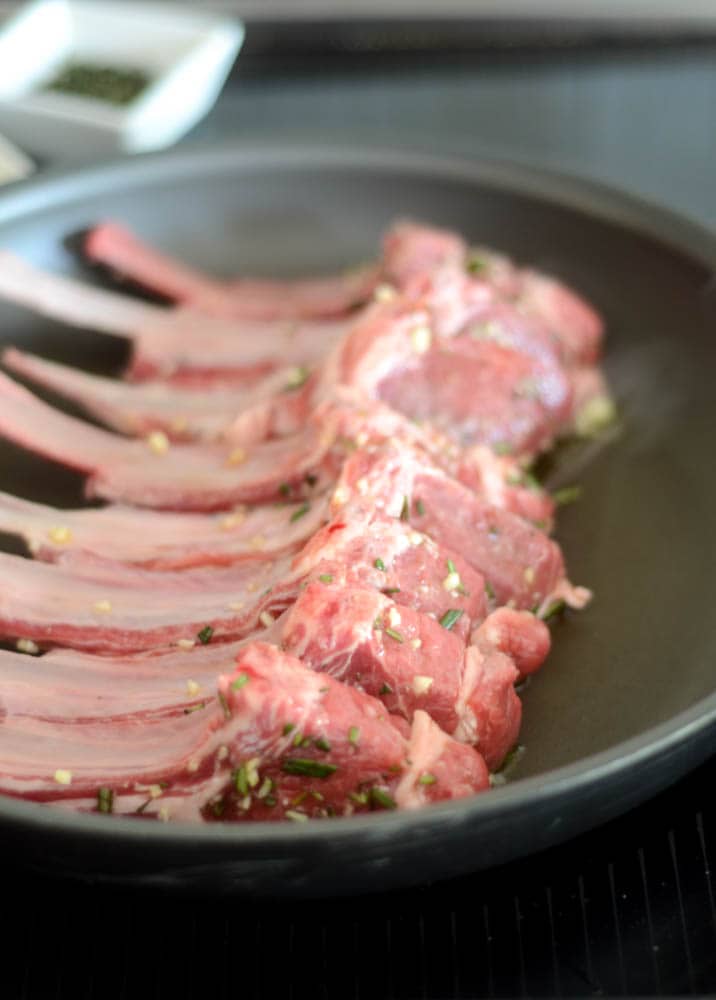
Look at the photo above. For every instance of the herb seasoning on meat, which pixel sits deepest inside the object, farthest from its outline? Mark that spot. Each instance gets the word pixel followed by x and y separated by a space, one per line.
pixel 115 85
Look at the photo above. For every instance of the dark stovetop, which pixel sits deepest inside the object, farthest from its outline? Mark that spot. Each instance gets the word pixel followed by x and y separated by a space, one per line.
pixel 626 909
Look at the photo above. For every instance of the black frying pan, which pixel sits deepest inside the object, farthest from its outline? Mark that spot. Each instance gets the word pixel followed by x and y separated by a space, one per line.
pixel 626 703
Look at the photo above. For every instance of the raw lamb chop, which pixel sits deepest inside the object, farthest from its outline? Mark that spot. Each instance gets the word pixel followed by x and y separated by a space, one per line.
pixel 169 341
pixel 259 753
pixel 114 246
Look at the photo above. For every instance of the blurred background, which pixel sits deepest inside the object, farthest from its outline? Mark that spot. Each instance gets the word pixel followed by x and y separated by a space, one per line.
pixel 619 90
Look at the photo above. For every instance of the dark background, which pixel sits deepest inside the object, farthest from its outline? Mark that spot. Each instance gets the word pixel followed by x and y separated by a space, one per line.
pixel 627 909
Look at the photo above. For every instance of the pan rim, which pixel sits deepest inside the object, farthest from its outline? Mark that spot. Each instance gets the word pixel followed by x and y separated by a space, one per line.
pixel 588 197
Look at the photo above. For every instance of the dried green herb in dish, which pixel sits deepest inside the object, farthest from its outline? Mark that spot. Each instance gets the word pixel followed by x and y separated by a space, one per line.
pixel 115 85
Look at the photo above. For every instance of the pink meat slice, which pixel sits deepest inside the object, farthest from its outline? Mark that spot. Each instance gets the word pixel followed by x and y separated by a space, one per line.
pixel 409 660
pixel 374 760
pixel 185 477
pixel 115 246
pixel 107 607
pixel 167 341
pixel 395 559
pixel 188 766
pixel 475 390
pixel 424 261
pixel 75 688
pixel 98 604
pixel 523 637
pixel 518 561
pixel 182 413
pixel 163 540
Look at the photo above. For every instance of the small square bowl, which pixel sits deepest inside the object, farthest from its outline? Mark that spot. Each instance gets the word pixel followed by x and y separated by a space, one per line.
pixel 186 56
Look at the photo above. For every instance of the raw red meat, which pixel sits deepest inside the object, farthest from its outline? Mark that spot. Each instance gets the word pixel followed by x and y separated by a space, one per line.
pixel 409 660
pixel 396 545
pixel 116 247
pixel 163 540
pixel 167 341
pixel 199 763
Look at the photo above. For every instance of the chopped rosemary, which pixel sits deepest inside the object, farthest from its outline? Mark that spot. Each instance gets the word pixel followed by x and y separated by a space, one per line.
pixel 450 617
pixel 105 800
pixel 241 780
pixel 451 566
pixel 284 489
pixel 394 635
pixel 308 768
pixel 194 708
pixel 427 779
pixel 354 735
pixel 475 263
pixel 381 799
pixel 298 739
pixel 204 635
pixel 297 378
pixel 361 798
pixel 405 510
pixel 386 689
pixel 270 801
pixel 568 494
pixel 310 479
pixel 303 509
pixel 420 507
pixel 326 578
pixel 323 744
pixel 218 808
pixel 390 590
pixel 288 728
pixel 489 590
pixel 224 705
pixel 552 610
pixel 511 759
pixel 379 564
pixel 239 682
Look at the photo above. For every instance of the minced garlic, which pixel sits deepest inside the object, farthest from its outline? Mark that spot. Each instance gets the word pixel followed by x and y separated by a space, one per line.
pixel 421 338
pixel 104 607
pixel 384 293
pixel 452 581
pixel 158 442
pixel 192 688
pixel 27 646
pixel 63 777
pixel 236 457
pixel 422 683
pixel 60 535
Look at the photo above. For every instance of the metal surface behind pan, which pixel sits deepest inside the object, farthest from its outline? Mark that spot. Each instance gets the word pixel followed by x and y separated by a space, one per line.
pixel 627 701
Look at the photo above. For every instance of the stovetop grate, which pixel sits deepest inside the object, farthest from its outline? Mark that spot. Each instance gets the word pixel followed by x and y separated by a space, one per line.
pixel 626 910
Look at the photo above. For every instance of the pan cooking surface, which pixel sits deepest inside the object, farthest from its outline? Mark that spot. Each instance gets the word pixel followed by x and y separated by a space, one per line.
pixel 626 701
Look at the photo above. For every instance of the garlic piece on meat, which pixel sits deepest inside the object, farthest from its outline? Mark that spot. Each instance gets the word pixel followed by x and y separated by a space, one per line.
pixel 421 338
pixel 236 457
pixel 422 683
pixel 60 535
pixel 158 442
pixel 27 646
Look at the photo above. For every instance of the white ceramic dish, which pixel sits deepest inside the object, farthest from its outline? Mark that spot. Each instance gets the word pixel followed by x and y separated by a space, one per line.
pixel 186 53
pixel 14 165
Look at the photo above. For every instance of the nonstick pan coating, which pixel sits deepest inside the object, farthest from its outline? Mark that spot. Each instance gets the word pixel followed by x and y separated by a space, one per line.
pixel 626 702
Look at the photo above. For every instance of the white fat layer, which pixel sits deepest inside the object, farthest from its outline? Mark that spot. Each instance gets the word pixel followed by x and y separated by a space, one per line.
pixel 426 746
pixel 466 730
